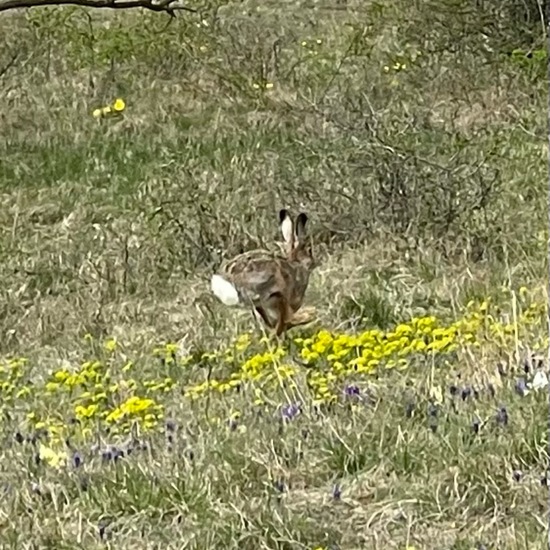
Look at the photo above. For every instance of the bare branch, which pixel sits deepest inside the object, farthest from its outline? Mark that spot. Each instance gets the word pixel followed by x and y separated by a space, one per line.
pixel 169 6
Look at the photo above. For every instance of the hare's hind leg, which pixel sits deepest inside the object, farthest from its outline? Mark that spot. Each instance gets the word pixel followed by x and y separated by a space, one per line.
pixel 303 316
pixel 278 304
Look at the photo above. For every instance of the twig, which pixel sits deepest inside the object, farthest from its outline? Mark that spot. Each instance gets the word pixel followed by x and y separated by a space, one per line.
pixel 8 65
pixel 168 6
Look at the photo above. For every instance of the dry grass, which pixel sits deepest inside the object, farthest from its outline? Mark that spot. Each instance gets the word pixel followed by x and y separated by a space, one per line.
pixel 426 191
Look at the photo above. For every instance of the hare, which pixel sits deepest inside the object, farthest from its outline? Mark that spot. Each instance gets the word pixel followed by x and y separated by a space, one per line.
pixel 274 285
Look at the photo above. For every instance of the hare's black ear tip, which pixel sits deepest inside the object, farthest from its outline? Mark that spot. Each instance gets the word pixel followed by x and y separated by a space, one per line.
pixel 302 218
pixel 283 215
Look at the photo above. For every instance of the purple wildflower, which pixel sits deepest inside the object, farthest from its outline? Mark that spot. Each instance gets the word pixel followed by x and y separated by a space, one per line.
pixel 433 411
pixel 84 483
pixel 517 475
pixel 40 435
pixel 112 453
pixel 521 387
pixel 76 459
pixel 117 453
pixel 466 392
pixel 232 423
pixel 352 390
pixel 289 412
pixel 336 492
pixel 170 426
pixel 502 416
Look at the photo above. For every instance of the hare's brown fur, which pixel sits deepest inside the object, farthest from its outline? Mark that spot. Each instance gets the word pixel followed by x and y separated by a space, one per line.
pixel 275 284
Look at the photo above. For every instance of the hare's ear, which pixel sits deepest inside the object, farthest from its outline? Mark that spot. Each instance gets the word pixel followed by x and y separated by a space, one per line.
pixel 301 221
pixel 287 227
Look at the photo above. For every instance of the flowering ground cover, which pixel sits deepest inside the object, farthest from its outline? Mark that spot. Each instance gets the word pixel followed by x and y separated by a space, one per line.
pixel 265 438
pixel 138 151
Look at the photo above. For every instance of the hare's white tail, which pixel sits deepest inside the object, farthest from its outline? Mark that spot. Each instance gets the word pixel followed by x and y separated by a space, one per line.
pixel 224 290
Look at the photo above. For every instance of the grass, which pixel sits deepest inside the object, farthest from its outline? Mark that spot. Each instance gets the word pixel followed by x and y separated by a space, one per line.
pixel 137 412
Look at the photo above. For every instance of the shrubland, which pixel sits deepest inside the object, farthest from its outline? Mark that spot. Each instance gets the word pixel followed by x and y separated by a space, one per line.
pixel 139 150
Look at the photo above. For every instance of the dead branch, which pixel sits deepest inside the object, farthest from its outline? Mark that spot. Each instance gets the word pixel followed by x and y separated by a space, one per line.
pixel 168 6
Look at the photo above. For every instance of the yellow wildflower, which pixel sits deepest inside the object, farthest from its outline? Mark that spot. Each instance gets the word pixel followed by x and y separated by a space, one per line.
pixel 110 345
pixel 85 412
pixel 23 392
pixel 119 105
pixel 243 341
pixel 52 386
pixel 51 457
pixel 61 376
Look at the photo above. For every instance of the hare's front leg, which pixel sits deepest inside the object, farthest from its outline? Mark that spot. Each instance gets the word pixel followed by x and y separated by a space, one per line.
pixel 265 318
pixel 279 309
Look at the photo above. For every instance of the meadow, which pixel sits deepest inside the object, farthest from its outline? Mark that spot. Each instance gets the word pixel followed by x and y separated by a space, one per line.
pixel 137 151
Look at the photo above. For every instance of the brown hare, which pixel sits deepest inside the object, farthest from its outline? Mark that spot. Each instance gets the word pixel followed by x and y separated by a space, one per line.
pixel 274 285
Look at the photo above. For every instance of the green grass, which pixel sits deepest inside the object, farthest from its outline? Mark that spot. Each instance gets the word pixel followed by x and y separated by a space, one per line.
pixel 137 412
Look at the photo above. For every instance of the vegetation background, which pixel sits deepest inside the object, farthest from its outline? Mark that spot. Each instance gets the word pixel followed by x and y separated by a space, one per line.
pixel 415 136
